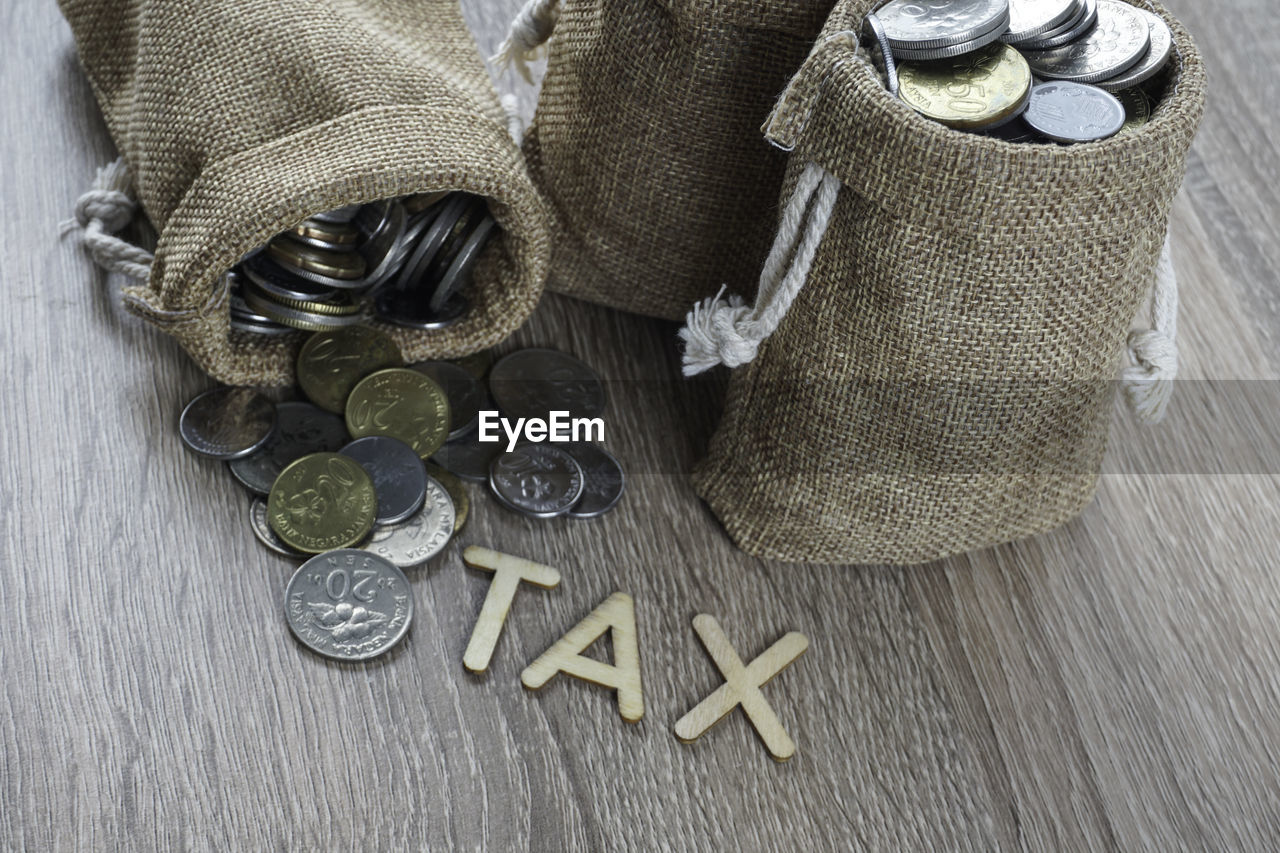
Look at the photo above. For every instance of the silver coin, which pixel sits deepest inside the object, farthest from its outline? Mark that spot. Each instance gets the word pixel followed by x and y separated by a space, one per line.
pixel 269 328
pixel 268 537
pixel 348 604
pixel 1074 112
pixel 603 480
pixel 301 429
pixel 419 538
pixel 274 280
pixel 298 318
pixel 459 270
pixel 933 53
pixel 415 268
pixel 1156 58
pixel 529 383
pixel 881 52
pixel 406 309
pixel 924 24
pixel 379 247
pixel 467 457
pixel 537 480
pixel 1031 18
pixel 227 422
pixel 466 395
pixel 339 215
pixel 399 477
pixel 1073 31
pixel 1115 44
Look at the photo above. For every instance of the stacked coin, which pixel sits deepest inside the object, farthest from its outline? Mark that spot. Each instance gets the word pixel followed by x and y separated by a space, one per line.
pixel 344 477
pixel 403 260
pixel 1022 70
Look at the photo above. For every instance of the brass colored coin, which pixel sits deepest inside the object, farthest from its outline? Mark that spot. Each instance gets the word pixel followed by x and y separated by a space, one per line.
pixel 969 92
pixel 403 404
pixel 296 318
pixel 339 265
pixel 321 502
pixel 1138 106
pixel 323 235
pixel 457 493
pixel 339 305
pixel 332 362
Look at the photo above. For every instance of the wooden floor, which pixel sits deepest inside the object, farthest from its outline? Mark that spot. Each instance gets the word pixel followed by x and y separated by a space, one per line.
pixel 1111 685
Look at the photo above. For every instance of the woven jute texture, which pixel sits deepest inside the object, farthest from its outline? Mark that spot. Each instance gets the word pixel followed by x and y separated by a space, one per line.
pixel 646 144
pixel 241 118
pixel 944 380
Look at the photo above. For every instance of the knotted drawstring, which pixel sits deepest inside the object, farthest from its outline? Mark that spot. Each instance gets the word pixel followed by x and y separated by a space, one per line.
pixel 529 31
pixel 1148 383
pixel 103 210
pixel 724 330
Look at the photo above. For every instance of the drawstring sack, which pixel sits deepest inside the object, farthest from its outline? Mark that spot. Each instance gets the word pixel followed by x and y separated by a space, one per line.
pixel 930 363
pixel 238 120
pixel 646 140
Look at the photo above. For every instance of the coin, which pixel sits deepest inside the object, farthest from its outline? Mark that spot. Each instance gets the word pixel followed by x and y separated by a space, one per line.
pixel 415 268
pixel 422 536
pixel 456 275
pixel 301 428
pixel 1138 106
pixel 331 363
pixel 1015 131
pixel 973 91
pixel 477 364
pixel 467 457
pixel 403 404
pixel 1115 44
pixel 322 501
pixel 262 529
pixel 276 282
pixel 537 480
pixel 934 53
pixel 874 35
pixel 379 249
pixel 1031 18
pixel 299 318
pixel 398 477
pixel 1156 58
pixel 457 494
pixel 923 24
pixel 349 605
pixel 1074 112
pixel 324 235
pixel 1068 33
pixel 338 215
pixel 532 382
pixel 344 266
pixel 411 310
pixel 602 479
pixel 466 395
pixel 227 422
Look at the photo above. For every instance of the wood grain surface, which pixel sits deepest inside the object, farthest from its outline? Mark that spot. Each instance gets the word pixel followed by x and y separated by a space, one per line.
pixel 1110 685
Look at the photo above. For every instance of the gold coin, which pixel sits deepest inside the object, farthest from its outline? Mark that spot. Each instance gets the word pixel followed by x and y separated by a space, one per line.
pixel 337 235
pixel 970 91
pixel 321 502
pixel 330 363
pixel 457 493
pixel 339 265
pixel 1138 106
pixel 403 404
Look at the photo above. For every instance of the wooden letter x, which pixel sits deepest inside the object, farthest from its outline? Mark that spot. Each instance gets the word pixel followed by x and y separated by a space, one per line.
pixel 508 571
pixel 742 687
pixel 617 612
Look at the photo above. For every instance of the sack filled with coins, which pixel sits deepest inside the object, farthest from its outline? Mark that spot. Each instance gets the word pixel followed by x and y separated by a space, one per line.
pixel 971 221
pixel 308 166
pixel 646 141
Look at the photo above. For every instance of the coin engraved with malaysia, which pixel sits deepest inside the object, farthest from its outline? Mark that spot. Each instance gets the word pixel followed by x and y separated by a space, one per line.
pixel 457 494
pixel 331 363
pixel 1137 109
pixel 1152 63
pixel 348 605
pixel 301 428
pixel 923 24
pixel 262 529
pixel 398 475
pixel 1116 43
pixel 602 479
pixel 529 383
pixel 975 91
pixel 1074 112
pixel 538 480
pixel 418 539
pixel 403 404
pixel 321 502
pixel 227 422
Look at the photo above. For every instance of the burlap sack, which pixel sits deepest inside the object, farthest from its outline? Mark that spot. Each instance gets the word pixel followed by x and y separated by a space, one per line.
pixel 239 118
pixel 646 142
pixel 943 380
